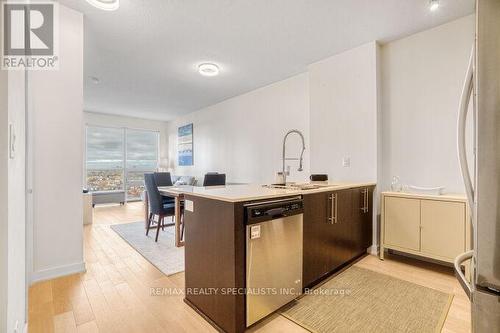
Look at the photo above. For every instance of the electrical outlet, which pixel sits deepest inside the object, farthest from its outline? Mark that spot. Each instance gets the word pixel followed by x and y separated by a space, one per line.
pixel 346 162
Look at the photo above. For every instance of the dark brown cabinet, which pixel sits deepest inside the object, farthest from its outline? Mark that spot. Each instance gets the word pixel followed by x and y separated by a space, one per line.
pixel 337 228
pixel 316 246
pixel 339 233
pixel 362 219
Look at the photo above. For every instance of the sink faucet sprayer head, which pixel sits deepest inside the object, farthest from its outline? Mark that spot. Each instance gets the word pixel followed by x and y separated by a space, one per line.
pixel 301 153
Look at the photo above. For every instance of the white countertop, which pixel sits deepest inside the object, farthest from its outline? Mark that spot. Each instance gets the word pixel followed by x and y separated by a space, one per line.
pixel 239 193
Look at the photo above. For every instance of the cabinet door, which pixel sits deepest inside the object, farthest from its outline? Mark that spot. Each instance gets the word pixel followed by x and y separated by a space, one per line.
pixel 367 228
pixel 358 202
pixel 340 234
pixel 402 222
pixel 362 219
pixel 443 228
pixel 316 247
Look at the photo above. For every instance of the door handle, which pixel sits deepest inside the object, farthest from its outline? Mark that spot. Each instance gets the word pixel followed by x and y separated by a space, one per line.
pixel 458 271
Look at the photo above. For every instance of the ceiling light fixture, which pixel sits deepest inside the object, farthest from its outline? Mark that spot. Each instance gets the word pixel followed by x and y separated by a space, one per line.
pixel 105 4
pixel 208 69
pixel 433 5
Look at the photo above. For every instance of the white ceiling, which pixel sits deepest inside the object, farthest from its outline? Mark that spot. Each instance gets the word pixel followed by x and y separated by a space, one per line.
pixel 146 53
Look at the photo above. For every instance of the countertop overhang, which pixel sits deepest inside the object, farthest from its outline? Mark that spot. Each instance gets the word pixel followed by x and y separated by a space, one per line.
pixel 250 192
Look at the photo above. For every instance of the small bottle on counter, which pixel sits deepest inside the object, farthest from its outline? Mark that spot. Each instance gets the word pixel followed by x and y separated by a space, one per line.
pixel 396 184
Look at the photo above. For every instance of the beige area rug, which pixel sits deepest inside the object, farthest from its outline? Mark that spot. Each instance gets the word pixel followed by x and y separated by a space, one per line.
pixel 359 300
pixel 164 255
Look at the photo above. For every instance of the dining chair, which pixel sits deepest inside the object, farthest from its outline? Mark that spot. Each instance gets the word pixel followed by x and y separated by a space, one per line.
pixel 164 179
pixel 156 206
pixel 214 179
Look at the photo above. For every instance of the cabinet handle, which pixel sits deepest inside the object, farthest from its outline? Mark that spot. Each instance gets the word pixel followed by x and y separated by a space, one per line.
pixel 366 200
pixel 365 208
pixel 336 208
pixel 363 204
pixel 330 217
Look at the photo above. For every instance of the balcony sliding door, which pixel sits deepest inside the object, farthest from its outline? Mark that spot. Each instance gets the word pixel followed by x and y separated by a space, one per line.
pixel 142 157
pixel 105 159
pixel 117 159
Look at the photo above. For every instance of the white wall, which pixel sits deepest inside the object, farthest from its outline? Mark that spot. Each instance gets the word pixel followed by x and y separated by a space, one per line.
pixel 422 77
pixel 56 102
pixel 343 110
pixel 99 119
pixel 243 136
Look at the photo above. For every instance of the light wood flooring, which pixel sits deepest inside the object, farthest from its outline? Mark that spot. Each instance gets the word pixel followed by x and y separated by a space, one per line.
pixel 114 294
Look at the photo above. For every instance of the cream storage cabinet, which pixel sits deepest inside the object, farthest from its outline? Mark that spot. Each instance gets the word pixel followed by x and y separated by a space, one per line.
pixel 430 226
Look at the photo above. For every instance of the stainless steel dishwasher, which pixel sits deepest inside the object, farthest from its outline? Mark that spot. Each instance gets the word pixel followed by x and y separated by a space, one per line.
pixel 273 256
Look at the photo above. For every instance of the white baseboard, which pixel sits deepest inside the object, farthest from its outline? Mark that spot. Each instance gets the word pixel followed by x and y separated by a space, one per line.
pixel 373 250
pixel 52 273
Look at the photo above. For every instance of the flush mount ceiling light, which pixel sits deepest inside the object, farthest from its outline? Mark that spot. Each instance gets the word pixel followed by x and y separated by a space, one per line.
pixel 105 4
pixel 208 69
pixel 433 5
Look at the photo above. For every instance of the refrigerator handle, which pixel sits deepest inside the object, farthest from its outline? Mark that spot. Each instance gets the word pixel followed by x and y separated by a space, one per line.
pixel 458 271
pixel 467 91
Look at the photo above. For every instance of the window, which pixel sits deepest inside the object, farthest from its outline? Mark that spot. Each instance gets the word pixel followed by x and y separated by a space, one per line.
pixel 142 157
pixel 105 157
pixel 117 159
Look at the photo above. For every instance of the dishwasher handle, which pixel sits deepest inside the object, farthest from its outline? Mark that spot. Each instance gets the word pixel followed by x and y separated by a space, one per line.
pixel 276 212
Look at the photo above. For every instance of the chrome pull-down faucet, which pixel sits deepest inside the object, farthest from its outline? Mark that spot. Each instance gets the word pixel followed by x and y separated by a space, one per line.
pixel 288 159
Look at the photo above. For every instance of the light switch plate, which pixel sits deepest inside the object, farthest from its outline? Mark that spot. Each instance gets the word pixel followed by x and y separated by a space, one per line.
pixel 346 162
pixel 189 205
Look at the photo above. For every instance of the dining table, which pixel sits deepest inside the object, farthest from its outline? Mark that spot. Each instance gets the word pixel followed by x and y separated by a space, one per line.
pixel 177 192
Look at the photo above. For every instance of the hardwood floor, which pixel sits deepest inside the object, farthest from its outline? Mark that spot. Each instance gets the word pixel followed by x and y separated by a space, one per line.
pixel 114 295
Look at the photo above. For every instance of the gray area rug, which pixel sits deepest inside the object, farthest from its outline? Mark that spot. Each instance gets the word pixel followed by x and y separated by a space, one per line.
pixel 164 255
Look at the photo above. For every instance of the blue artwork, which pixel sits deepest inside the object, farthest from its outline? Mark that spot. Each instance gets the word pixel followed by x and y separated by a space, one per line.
pixel 185 144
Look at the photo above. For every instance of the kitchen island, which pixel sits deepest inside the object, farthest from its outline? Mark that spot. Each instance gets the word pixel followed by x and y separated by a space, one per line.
pixel 337 228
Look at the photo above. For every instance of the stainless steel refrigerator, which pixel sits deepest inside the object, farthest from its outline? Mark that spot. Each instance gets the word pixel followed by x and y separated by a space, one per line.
pixel 482 89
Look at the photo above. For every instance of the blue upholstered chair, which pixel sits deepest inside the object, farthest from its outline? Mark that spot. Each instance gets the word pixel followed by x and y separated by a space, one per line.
pixel 164 179
pixel 156 206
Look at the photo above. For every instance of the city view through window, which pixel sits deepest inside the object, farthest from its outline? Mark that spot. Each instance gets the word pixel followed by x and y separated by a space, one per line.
pixel 117 159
